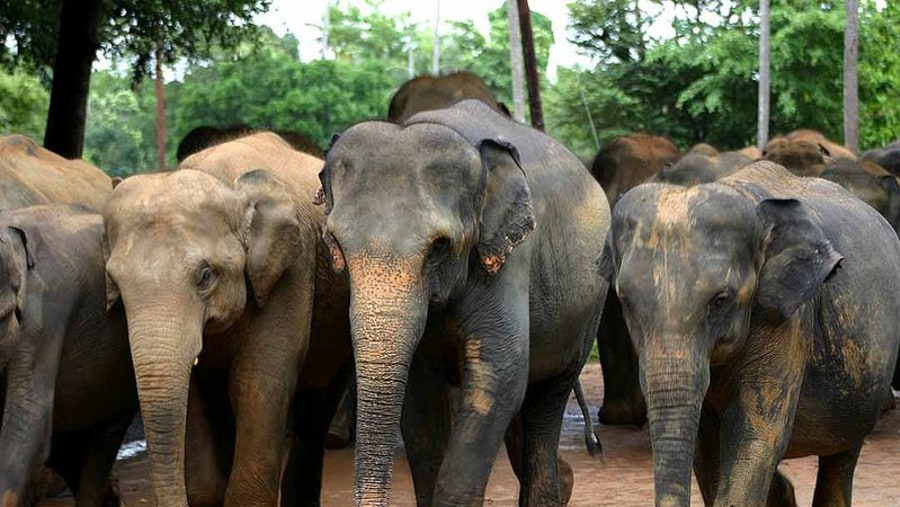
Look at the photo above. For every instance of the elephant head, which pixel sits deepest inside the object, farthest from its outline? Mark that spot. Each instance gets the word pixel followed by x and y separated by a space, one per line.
pixel 871 183
pixel 15 261
pixel 695 269
pixel 181 248
pixel 411 213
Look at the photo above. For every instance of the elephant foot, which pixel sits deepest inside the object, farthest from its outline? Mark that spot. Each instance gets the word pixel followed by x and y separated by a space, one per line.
pixel 622 412
pixel 889 403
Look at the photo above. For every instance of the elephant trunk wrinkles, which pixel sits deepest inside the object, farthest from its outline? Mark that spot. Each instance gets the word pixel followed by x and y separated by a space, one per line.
pixel 387 312
pixel 163 350
pixel 674 386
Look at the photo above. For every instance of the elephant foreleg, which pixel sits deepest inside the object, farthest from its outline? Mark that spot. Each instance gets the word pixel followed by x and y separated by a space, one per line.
pixel 28 413
pixel 425 423
pixel 494 378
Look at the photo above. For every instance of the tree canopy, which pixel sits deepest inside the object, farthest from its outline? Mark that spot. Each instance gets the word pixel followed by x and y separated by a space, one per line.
pixel 684 69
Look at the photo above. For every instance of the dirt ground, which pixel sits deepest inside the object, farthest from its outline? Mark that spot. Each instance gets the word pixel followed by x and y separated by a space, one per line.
pixel 623 479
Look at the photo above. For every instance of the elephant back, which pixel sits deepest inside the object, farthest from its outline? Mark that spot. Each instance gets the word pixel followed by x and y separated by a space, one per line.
pixel 31 175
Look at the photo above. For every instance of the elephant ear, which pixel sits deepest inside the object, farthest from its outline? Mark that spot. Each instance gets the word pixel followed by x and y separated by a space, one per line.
pixel 112 288
pixel 507 216
pixel 271 230
pixel 20 260
pixel 797 258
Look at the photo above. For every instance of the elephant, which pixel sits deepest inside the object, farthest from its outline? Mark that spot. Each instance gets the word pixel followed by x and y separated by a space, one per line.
pixel 834 149
pixel 751 151
pixel 766 322
pixel 887 157
pixel 30 175
pixel 424 93
pixel 694 169
pixel 229 298
pixel 470 241
pixel 629 160
pixel 869 182
pixel 801 157
pixel 69 390
pixel 622 163
pixel 206 136
pixel 703 149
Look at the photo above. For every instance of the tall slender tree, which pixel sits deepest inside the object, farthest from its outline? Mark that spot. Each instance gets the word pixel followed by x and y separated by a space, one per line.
pixel 851 81
pixel 515 61
pixel 762 132
pixel 531 67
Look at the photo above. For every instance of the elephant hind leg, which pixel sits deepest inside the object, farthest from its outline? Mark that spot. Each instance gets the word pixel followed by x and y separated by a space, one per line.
pixel 781 492
pixel 834 483
pixel 514 450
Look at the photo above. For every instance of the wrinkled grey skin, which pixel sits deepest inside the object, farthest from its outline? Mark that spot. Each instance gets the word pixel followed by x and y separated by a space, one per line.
pixel 766 322
pixel 69 385
pixel 697 168
pixel 468 239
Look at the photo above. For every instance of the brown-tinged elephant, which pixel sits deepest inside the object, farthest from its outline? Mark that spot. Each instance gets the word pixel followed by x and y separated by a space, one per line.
pixel 68 391
pixel 205 136
pixel 767 326
pixel 696 168
pixel 751 151
pixel 622 163
pixel 834 149
pixel 703 149
pixel 225 282
pixel 469 240
pixel 801 157
pixel 30 175
pixel 425 93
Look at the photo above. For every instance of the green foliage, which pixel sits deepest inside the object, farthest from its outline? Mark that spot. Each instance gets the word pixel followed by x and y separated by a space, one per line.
pixel 701 85
pixel 130 29
pixel 23 101
pixel 120 135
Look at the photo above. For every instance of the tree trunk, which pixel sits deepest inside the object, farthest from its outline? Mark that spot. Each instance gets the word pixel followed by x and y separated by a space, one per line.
pixel 436 48
pixel 851 82
pixel 160 111
pixel 75 52
pixel 531 71
pixel 762 133
pixel 515 61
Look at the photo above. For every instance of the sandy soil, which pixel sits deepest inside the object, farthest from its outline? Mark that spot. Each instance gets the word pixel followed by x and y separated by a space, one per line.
pixel 623 479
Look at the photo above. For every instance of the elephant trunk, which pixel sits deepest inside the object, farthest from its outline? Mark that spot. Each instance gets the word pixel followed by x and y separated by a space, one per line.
pixel 163 350
pixel 674 384
pixel 387 312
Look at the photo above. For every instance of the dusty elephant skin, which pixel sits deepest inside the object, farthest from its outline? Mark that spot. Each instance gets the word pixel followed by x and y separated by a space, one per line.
pixel 469 240
pixel 220 266
pixel 31 175
pixel 766 324
pixel 69 386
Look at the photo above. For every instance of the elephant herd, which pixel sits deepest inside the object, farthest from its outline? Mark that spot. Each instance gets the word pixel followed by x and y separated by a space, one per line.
pixel 456 263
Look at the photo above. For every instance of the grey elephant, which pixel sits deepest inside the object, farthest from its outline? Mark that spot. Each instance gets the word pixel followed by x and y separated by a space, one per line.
pixel 425 93
pixel 69 392
pixel 225 282
pixel 696 168
pixel 469 240
pixel 767 324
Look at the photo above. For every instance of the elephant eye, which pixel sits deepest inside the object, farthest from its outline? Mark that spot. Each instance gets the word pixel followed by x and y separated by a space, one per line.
pixel 440 250
pixel 720 302
pixel 205 277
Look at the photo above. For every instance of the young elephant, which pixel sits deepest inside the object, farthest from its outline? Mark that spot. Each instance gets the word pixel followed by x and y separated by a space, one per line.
pixel 70 392
pixel 766 320
pixel 469 240
pixel 220 266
